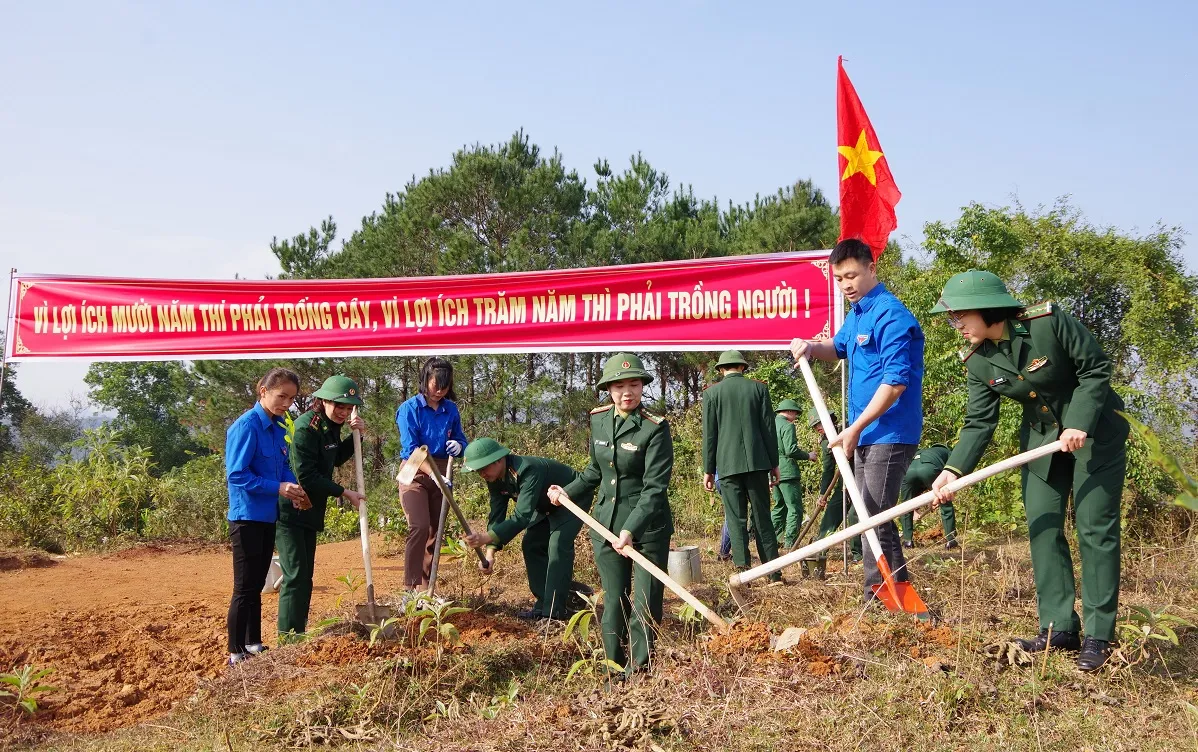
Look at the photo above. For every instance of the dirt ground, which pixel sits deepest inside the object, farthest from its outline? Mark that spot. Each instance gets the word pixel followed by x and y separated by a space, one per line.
pixel 129 634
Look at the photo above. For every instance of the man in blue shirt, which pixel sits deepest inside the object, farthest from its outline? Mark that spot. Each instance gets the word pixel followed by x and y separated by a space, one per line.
pixel 883 344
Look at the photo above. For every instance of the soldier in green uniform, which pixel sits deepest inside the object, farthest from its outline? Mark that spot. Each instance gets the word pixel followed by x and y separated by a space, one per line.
pixel 834 512
pixel 1046 360
pixel 925 468
pixel 788 491
pixel 549 531
pixel 740 439
pixel 317 448
pixel 632 458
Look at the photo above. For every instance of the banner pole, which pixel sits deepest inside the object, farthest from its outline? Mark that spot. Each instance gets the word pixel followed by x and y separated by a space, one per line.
pixel 12 274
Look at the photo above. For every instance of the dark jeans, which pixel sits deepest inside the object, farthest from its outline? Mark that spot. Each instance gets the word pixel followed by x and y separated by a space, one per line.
pixel 253 546
pixel 879 470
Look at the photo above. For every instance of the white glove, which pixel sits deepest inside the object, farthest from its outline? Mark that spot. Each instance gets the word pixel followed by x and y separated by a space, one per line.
pixel 453 448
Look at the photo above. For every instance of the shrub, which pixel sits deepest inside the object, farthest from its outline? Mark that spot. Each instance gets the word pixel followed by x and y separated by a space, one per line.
pixel 190 502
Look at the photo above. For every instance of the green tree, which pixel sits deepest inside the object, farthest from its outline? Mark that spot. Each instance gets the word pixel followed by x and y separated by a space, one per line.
pixel 13 405
pixel 148 399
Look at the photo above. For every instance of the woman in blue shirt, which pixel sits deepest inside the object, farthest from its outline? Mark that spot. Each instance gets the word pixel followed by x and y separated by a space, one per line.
pixel 258 472
pixel 429 419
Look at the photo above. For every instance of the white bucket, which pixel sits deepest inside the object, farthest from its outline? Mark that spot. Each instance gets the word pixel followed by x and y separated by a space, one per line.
pixel 274 576
pixel 684 565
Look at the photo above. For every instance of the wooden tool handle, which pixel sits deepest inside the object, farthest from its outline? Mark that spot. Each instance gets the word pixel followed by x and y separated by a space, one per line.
pixel 648 566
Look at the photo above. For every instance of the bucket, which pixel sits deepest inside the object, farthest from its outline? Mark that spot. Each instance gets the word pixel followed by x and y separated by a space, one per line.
pixel 684 565
pixel 274 576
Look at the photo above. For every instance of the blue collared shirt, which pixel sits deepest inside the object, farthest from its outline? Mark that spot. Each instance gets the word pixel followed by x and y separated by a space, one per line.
pixel 884 345
pixel 421 425
pixel 256 463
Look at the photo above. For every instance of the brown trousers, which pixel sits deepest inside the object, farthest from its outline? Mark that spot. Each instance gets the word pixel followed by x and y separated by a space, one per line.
pixel 421 502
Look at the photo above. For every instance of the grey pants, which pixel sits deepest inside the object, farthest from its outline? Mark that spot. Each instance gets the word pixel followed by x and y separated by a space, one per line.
pixel 879 470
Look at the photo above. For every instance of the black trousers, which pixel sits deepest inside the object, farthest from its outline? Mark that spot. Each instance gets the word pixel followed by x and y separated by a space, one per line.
pixel 253 546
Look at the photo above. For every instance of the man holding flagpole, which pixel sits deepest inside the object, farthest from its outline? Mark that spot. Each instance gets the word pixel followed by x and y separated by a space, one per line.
pixel 880 338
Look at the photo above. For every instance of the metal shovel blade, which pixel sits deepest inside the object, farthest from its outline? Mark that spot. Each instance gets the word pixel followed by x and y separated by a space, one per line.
pixel 412 465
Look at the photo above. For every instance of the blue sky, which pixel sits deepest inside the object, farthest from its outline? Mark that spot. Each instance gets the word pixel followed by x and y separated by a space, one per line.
pixel 173 140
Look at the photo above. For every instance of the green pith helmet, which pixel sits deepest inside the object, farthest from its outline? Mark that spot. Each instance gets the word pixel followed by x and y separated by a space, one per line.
pixel 731 358
pixel 482 452
pixel 340 389
pixel 788 404
pixel 813 417
pixel 623 366
pixel 972 290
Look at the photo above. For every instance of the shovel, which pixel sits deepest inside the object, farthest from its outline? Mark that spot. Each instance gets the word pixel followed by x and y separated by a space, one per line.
pixel 819 507
pixel 370 613
pixel 418 462
pixel 896 596
pixel 432 574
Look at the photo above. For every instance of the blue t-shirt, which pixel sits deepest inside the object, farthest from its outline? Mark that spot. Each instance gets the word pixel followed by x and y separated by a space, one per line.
pixel 420 425
pixel 256 463
pixel 884 345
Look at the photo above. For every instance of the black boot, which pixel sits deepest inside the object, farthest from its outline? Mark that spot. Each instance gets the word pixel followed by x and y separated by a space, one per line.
pixel 951 543
pixel 1060 641
pixel 1094 654
pixel 908 544
pixel 531 614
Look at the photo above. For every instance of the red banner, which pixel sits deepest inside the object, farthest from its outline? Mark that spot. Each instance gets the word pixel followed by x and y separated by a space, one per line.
pixel 749 302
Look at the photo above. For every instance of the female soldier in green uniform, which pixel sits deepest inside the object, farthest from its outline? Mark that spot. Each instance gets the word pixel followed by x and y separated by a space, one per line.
pixel 1046 360
pixel 632 458
pixel 317 448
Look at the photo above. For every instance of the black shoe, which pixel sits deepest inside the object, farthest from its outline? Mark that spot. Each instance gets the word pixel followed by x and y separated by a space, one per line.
pixel 951 544
pixel 258 649
pixel 723 557
pixel 581 587
pixel 531 614
pixel 1060 641
pixel 908 544
pixel 1094 654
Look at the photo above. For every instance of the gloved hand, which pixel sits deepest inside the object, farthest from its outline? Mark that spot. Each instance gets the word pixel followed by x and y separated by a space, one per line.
pixel 453 448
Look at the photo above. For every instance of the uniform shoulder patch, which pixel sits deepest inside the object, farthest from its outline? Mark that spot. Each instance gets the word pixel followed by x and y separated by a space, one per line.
pixel 759 381
pixel 656 419
pixel 966 352
pixel 315 422
pixel 1039 310
pixel 602 409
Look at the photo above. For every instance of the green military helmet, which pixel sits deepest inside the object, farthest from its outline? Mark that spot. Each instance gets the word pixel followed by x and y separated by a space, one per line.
pixel 731 358
pixel 972 290
pixel 623 366
pixel 341 389
pixel 482 452
pixel 788 404
pixel 813 417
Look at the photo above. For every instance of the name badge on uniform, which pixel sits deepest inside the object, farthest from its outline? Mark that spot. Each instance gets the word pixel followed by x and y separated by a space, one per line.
pixel 999 380
pixel 628 447
pixel 862 339
pixel 601 442
pixel 1037 364
pixel 331 446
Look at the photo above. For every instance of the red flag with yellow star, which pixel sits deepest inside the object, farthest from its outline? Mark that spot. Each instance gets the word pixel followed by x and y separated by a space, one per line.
pixel 868 193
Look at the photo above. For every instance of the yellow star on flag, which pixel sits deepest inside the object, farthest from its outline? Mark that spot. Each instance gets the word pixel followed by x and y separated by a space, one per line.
pixel 860 159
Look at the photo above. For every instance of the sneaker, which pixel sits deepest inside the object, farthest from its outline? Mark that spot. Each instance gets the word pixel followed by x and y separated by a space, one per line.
pixel 235 658
pixel 256 649
pixel 1094 654
pixel 1060 641
pixel 908 544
